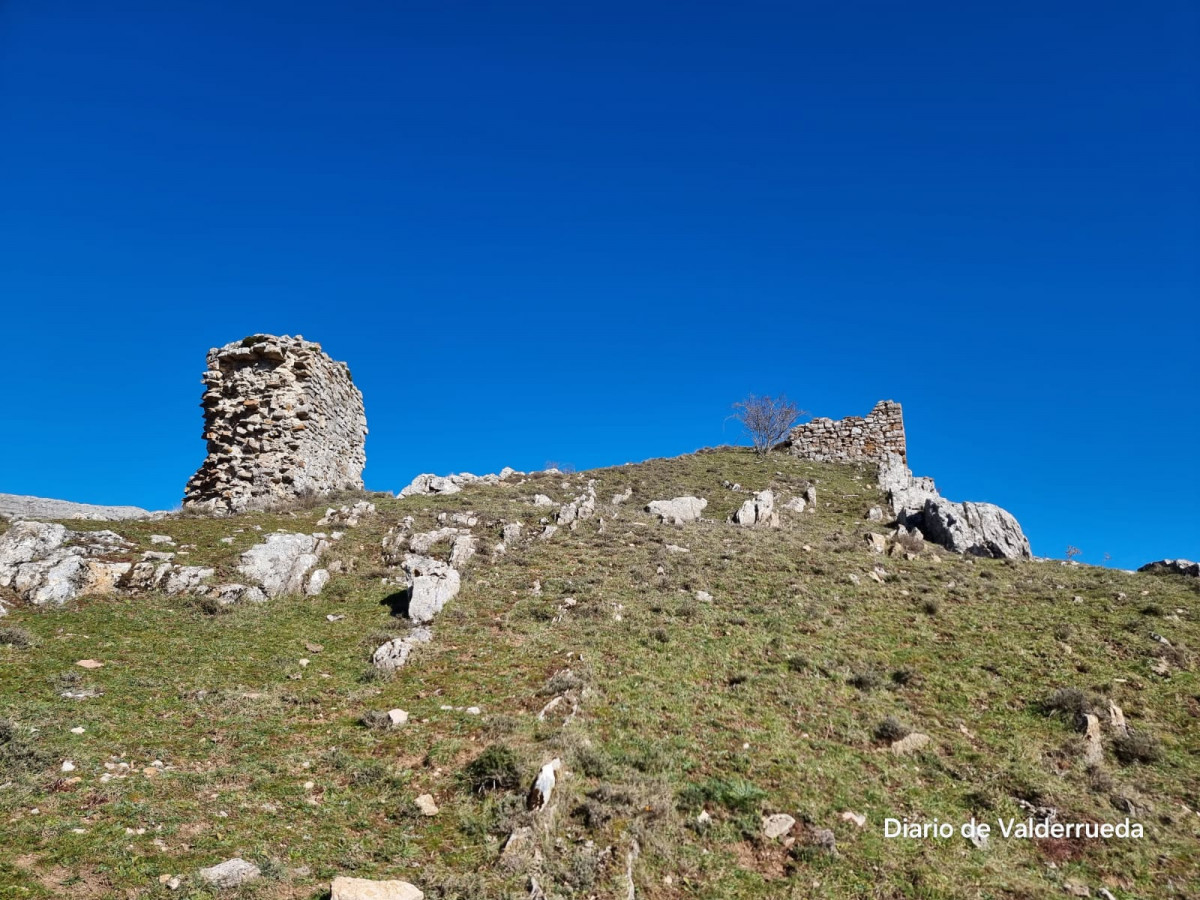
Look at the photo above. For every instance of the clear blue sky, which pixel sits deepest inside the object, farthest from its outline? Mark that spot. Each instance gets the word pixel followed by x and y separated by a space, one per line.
pixel 579 231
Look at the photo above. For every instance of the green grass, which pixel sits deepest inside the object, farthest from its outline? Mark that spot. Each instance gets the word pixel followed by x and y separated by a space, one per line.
pixel 767 699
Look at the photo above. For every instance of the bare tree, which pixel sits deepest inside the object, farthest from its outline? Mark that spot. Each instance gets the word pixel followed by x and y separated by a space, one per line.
pixel 768 420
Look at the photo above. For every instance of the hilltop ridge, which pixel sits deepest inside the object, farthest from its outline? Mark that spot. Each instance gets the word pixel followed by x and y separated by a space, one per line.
pixel 725 702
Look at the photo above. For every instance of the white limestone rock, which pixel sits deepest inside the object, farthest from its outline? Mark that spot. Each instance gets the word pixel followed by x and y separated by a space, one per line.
pixel 777 825
pixel 280 563
pixel 758 510
pixel 186 579
pixel 344 888
pixel 316 582
pixel 980 529
pixel 230 874
pixel 677 511
pixel 432 584
pixel 395 653
pixel 543 785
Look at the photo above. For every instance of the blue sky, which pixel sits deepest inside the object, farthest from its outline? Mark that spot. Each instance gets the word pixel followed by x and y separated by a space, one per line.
pixel 578 232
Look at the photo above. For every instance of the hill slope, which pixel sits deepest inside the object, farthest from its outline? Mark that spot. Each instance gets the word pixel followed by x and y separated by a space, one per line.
pixel 701 691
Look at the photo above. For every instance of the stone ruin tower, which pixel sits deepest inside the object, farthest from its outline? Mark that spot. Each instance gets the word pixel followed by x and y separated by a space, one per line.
pixel 853 438
pixel 282 420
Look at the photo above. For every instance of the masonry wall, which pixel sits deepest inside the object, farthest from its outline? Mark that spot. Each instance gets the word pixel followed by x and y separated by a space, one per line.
pixel 853 438
pixel 281 420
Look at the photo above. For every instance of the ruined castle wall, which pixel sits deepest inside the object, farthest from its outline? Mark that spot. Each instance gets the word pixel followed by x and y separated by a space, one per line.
pixel 853 438
pixel 281 420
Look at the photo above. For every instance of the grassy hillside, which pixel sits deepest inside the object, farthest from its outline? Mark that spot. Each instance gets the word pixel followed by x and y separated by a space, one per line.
pixel 780 694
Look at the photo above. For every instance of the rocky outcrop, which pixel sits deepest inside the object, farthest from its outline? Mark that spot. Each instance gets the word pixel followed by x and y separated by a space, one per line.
pixel 582 507
pixel 759 510
pixel 14 506
pixel 906 494
pixel 852 439
pixel 980 529
pixel 432 584
pixel 282 420
pixel 1172 567
pixel 427 484
pixel 46 564
pixel 282 561
pixel 678 511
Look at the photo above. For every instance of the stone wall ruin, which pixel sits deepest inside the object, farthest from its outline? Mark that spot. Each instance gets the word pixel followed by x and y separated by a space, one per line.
pixel 854 438
pixel 282 420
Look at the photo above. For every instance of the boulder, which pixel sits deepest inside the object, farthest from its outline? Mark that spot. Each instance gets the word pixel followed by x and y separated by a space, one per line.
pixel 759 510
pixel 230 874
pixel 317 582
pixel 678 511
pixel 462 550
pixel 981 529
pixel 777 825
pixel 432 584
pixel 280 563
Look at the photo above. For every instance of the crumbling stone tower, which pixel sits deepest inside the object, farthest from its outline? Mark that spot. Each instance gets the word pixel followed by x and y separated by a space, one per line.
pixel 853 438
pixel 281 420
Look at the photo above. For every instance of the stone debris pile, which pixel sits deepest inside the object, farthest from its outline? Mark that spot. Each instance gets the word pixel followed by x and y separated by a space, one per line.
pixel 282 420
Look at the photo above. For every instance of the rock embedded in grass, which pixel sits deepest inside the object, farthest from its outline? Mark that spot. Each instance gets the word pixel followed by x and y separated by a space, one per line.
pixel 281 562
pixel 678 511
pixel 230 874
pixel 777 825
pixel 344 888
pixel 910 744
